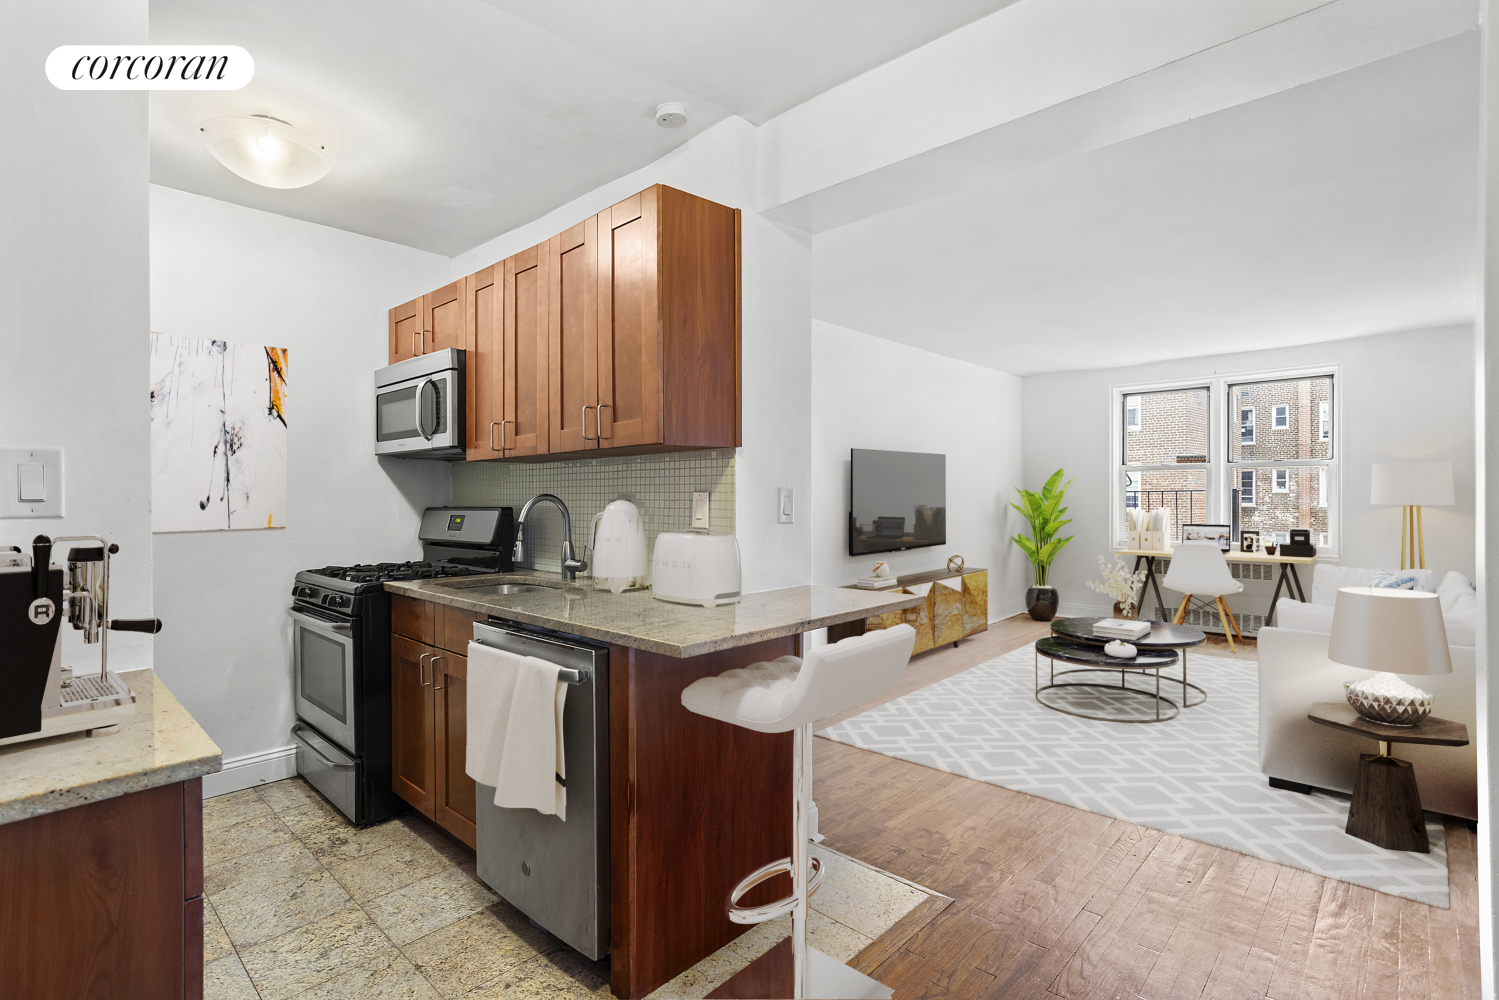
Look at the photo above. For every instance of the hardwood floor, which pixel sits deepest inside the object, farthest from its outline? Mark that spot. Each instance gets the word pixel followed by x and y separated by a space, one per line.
pixel 1053 901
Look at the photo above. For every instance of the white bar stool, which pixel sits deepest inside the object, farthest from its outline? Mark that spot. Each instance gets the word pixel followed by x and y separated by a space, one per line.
pixel 788 695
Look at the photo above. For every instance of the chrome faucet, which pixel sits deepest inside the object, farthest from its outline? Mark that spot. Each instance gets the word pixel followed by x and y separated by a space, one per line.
pixel 570 564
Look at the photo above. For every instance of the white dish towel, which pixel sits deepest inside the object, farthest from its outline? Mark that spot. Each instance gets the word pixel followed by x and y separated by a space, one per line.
pixel 515 729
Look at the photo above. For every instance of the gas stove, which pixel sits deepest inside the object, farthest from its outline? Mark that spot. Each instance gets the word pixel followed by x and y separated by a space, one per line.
pixel 376 573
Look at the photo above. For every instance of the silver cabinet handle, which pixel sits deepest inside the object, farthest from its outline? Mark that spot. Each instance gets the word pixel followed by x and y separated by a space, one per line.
pixel 297 731
pixel 435 659
pixel 339 627
pixel 492 425
pixel 585 424
pixel 421 669
pixel 416 342
pixel 503 445
pixel 598 421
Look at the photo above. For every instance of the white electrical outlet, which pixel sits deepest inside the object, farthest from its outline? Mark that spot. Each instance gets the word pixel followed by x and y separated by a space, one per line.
pixel 30 482
pixel 785 505
pixel 700 511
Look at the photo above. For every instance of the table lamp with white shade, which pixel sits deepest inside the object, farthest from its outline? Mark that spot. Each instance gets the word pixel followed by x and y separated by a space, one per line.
pixel 1392 632
pixel 1411 485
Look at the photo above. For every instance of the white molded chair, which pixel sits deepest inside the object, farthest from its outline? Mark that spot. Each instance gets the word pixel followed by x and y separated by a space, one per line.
pixel 788 695
pixel 1199 568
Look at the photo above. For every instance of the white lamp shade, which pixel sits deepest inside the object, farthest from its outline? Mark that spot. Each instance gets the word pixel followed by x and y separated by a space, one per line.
pixel 266 151
pixel 1397 631
pixel 1425 484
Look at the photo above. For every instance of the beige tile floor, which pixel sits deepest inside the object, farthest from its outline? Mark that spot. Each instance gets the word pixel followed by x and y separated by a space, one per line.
pixel 302 904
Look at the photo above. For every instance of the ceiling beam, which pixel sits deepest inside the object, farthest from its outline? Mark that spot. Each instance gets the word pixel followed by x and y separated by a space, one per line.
pixel 1037 82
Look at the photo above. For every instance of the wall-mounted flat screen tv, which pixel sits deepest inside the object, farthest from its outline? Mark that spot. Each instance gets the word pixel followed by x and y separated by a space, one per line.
pixel 897 500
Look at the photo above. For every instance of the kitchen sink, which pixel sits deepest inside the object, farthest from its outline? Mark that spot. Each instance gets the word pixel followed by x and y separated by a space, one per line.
pixel 507 588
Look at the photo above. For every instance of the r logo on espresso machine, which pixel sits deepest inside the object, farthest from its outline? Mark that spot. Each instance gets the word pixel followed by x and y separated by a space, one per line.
pixel 41 611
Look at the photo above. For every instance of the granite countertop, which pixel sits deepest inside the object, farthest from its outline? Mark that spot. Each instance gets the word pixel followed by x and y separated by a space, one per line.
pixel 158 745
pixel 638 620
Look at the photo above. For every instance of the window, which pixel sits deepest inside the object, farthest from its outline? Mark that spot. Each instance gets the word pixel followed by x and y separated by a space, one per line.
pixel 1322 490
pixel 1282 418
pixel 1165 454
pixel 1246 425
pixel 1246 488
pixel 1324 420
pixel 1282 480
pixel 1292 463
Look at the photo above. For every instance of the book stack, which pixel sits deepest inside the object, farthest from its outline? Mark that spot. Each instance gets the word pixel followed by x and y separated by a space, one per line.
pixel 875 582
pixel 1117 628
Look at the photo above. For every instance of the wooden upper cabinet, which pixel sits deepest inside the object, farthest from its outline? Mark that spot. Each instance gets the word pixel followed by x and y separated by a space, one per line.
pixel 525 349
pixel 485 315
pixel 434 322
pixel 572 338
pixel 405 330
pixel 629 336
pixel 444 319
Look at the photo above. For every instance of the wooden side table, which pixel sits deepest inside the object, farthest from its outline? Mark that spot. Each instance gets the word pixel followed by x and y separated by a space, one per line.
pixel 1386 808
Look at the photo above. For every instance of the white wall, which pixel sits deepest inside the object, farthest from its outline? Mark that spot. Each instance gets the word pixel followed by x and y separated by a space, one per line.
pixel 233 273
pixel 872 393
pixel 1405 397
pixel 73 242
pixel 720 165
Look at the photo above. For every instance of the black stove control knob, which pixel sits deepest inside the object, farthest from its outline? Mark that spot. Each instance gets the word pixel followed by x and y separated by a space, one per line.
pixel 304 592
pixel 338 601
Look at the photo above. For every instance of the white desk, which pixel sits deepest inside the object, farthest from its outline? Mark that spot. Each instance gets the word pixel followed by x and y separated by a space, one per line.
pixel 1288 576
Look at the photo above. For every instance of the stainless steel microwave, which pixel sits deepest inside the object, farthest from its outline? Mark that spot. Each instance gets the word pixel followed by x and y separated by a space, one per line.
pixel 419 411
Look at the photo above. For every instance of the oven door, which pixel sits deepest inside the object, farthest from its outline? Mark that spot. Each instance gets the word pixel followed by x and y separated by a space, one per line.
pixel 420 417
pixel 323 656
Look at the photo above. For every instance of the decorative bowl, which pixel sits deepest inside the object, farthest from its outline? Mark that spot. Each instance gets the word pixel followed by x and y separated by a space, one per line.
pixel 1120 650
pixel 1405 709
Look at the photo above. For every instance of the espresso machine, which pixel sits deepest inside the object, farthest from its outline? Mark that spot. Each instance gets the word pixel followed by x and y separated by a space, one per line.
pixel 42 696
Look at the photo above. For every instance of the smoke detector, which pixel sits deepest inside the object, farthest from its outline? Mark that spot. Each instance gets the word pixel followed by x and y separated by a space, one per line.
pixel 671 115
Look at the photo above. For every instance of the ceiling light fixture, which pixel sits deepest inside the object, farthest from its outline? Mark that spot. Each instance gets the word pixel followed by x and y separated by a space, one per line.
pixel 671 115
pixel 266 150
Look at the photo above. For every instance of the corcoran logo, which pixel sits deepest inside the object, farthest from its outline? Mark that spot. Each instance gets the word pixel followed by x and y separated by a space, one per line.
pixel 149 67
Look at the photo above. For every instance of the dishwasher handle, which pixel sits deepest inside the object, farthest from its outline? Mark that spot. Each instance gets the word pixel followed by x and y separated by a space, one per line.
pixel 565 675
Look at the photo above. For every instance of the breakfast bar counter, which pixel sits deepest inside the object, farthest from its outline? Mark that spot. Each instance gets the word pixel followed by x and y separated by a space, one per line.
pixel 694 804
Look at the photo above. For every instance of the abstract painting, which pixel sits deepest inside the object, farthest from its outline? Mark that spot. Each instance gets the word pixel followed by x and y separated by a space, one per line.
pixel 218 434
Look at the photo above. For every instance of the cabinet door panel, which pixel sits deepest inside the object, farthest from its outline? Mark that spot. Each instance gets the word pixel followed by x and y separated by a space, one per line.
pixel 405 329
pixel 525 306
pixel 572 323
pixel 455 789
pixel 485 391
pixel 444 319
pixel 411 721
pixel 629 342
pixel 413 618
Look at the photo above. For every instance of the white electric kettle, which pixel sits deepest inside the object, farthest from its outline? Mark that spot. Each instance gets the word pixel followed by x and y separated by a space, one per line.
pixel 619 560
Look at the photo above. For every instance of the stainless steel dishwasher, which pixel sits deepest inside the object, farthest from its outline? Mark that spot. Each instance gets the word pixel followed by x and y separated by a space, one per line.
pixel 557 872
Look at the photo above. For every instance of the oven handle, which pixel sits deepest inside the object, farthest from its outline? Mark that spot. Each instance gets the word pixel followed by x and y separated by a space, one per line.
pixel 296 733
pixel 306 619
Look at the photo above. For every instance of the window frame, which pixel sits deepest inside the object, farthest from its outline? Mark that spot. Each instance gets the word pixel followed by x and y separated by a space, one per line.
pixel 1252 493
pixel 1280 417
pixel 1220 468
pixel 1131 414
pixel 1243 426
pixel 1277 477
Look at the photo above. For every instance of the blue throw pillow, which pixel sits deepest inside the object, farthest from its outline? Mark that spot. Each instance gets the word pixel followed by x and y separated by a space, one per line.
pixel 1395 580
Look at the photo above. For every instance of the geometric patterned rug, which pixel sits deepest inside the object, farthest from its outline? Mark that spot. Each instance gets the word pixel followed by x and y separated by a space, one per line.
pixel 1197 776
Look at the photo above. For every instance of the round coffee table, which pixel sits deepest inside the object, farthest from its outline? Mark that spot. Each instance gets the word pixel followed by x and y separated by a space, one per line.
pixel 1091 659
pixel 1162 636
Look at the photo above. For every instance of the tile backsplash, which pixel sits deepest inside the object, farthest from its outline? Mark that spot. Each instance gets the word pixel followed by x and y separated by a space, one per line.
pixel 660 485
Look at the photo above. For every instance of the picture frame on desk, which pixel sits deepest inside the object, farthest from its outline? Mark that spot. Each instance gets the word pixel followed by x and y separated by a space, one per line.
pixel 1249 540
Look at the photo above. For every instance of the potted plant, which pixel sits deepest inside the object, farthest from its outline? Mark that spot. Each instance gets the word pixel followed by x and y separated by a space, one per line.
pixel 1043 512
pixel 1120 584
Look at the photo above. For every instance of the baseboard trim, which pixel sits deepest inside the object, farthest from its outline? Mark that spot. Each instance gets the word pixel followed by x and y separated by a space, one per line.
pixel 250 770
pixel 1009 610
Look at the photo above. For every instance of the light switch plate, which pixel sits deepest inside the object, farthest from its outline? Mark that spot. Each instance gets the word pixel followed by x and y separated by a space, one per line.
pixel 700 511
pixel 785 505
pixel 13 485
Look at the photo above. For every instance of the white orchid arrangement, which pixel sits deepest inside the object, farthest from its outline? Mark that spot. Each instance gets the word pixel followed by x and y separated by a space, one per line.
pixel 1118 583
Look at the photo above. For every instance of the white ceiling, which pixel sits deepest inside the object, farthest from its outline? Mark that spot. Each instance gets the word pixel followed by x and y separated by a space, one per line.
pixel 453 122
pixel 457 120
pixel 754 57
pixel 1337 209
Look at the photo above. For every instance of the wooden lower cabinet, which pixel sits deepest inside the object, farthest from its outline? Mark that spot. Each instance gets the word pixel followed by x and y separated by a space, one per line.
pixel 105 899
pixel 429 713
